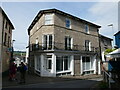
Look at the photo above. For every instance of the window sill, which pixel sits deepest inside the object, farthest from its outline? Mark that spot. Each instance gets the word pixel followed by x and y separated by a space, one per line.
pixel 58 72
pixel 88 70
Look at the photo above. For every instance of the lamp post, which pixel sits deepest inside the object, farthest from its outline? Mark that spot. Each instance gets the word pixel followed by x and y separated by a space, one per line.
pixel 111 25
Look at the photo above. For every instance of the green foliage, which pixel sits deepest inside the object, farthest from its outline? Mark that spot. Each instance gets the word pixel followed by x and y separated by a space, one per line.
pixel 108 51
pixel 19 53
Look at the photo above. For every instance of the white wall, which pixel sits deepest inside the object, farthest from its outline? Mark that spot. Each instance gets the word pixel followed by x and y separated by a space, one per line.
pixel 72 65
pixel 81 65
pixel 103 57
pixel 99 67
pixel 94 63
pixel 27 55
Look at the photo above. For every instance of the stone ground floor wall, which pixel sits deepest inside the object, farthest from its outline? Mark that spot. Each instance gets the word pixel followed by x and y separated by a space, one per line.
pixel 5 60
pixel 77 68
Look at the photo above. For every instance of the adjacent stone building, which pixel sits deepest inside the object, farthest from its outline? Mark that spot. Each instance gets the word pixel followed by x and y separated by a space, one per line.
pixel 6 28
pixel 105 43
pixel 63 44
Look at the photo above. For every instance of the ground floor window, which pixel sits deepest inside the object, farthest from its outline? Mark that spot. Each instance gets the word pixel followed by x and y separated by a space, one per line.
pixel 87 65
pixel 62 63
pixel 49 61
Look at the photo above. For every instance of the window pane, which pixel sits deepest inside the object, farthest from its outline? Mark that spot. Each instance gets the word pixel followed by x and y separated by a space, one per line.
pixel 50 41
pixel 59 64
pixel 87 45
pixel 67 21
pixel 47 22
pixel 66 63
pixel 68 41
pixel 48 16
pixel 86 29
pixel 83 59
pixel 87 65
pixel 49 64
pixel 87 59
pixel 48 19
pixel 83 65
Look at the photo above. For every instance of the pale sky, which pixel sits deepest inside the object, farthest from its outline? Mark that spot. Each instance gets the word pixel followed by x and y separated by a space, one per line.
pixel 22 13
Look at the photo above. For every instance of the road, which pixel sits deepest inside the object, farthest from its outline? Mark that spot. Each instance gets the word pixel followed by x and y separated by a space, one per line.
pixel 66 84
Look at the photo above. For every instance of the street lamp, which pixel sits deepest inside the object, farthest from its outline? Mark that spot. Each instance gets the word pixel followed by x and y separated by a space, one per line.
pixel 111 25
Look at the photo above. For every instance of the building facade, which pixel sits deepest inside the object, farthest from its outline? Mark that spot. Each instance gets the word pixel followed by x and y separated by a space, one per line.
pixel 117 39
pixel 6 28
pixel 105 43
pixel 62 44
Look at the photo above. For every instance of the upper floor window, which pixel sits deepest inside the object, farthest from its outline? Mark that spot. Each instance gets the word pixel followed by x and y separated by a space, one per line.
pixel 5 39
pixel 9 41
pixel 87 29
pixel 68 43
pixel 6 25
pixel 48 19
pixel 47 42
pixel 87 45
pixel 68 23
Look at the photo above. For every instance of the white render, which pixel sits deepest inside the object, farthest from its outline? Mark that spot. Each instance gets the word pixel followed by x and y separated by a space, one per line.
pixel 51 73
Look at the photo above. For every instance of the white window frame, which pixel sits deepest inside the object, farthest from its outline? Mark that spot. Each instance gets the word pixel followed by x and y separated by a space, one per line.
pixel 49 19
pixel 47 62
pixel 89 45
pixel 91 67
pixel 43 44
pixel 63 67
pixel 71 42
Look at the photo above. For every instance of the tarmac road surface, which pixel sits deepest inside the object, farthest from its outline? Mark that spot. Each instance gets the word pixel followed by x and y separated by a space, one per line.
pixel 64 84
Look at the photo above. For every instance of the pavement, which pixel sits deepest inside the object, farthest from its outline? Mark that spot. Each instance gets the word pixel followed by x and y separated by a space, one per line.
pixel 34 79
